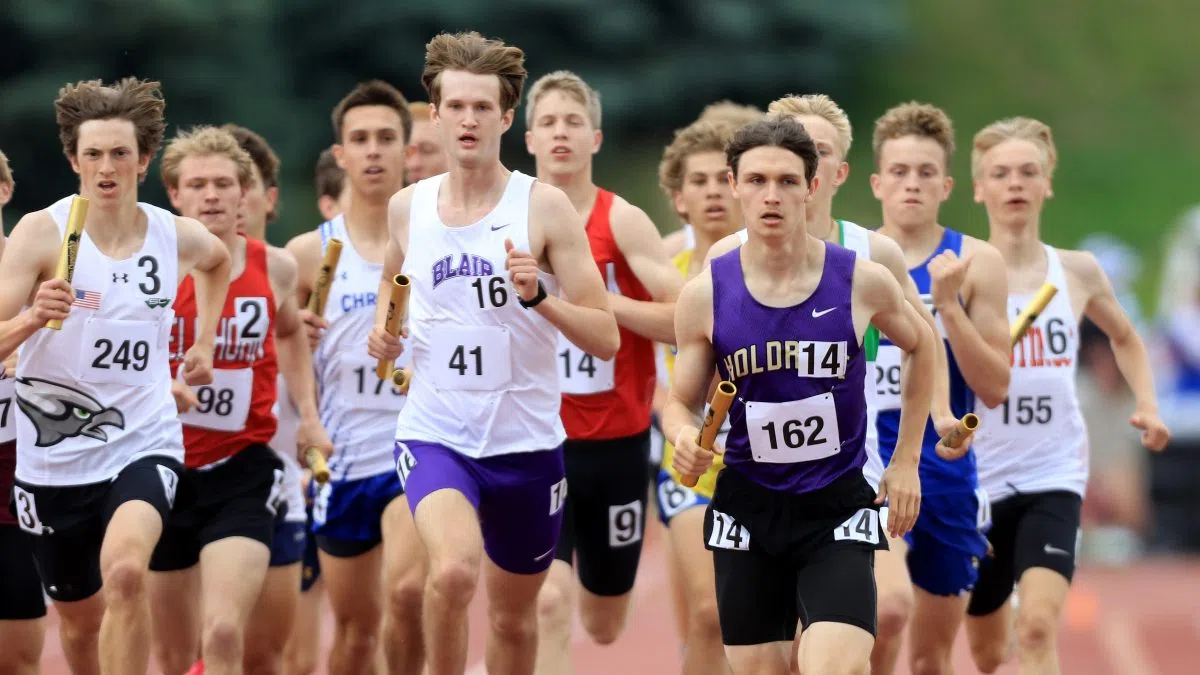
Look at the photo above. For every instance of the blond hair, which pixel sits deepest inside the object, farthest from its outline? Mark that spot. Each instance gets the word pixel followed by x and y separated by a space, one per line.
pixel 473 53
pixel 914 119
pixel 6 177
pixel 419 110
pixel 817 105
pixel 728 112
pixel 1015 128
pixel 205 141
pixel 699 136
pixel 570 84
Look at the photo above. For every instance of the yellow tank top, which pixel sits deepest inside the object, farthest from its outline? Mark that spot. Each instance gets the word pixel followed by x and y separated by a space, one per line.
pixel 708 482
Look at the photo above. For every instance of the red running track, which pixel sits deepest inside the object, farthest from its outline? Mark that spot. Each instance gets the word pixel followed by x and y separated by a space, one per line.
pixel 1141 620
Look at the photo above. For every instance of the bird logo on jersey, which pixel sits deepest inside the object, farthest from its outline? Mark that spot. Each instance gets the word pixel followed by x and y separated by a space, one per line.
pixel 58 411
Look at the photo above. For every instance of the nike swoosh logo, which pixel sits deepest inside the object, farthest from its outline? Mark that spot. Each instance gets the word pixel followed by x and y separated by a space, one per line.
pixel 500 227
pixel 1051 550
pixel 817 315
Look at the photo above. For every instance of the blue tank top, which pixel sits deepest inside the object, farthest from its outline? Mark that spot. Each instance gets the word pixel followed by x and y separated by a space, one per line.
pixel 938 476
pixel 799 419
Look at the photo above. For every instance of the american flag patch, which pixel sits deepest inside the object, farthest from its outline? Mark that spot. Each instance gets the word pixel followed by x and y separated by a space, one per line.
pixel 87 299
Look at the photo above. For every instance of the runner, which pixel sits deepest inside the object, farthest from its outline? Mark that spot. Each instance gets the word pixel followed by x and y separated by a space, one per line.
pixel 274 615
pixel 425 155
pixel 215 548
pixel 793 524
pixel 362 505
pixel 1032 448
pixel 605 404
pixel 962 279
pixel 22 605
pixel 301 653
pixel 95 490
pixel 695 177
pixel 479 441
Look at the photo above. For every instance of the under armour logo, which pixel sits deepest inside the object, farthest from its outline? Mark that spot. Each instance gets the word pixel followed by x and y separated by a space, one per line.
pixel 123 278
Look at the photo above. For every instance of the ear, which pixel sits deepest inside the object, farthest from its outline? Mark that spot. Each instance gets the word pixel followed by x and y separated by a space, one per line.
pixel 328 207
pixel 812 188
pixel 74 160
pixel 948 184
pixel 173 195
pixel 339 154
pixel 272 195
pixel 143 164
pixel 843 172
pixel 1049 189
pixel 978 192
pixel 529 142
pixel 733 185
pixel 677 202
pixel 597 141
pixel 875 181
pixel 506 121
pixel 6 192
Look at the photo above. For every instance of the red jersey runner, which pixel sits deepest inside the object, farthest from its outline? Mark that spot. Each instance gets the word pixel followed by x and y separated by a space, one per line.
pixel 608 400
pixel 235 410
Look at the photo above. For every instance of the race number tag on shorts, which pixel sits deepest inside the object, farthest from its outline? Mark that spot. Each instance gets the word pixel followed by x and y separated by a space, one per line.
pixel 224 404
pixel 582 373
pixel 119 352
pixel 793 431
pixel 8 411
pixel 361 387
pixel 887 377
pixel 674 498
pixel 471 358
pixel 862 526
pixel 983 517
pixel 1031 409
pixel 727 533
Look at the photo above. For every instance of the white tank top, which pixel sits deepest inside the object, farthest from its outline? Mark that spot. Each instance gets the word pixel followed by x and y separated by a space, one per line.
pixel 284 445
pixel 485 378
pixel 96 395
pixel 1036 441
pixel 357 408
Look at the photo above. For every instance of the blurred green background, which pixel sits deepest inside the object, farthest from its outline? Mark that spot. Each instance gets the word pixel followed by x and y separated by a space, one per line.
pixel 1112 78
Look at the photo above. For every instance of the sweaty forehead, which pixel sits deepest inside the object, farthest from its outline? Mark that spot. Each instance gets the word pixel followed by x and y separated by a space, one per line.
pixel 107 133
pixel 459 85
pixel 771 161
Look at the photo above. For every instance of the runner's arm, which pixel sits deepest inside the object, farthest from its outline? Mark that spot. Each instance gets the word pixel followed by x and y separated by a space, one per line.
pixel 979 334
pixel 30 257
pixel 205 257
pixel 586 319
pixel 695 361
pixel 642 247
pixel 294 355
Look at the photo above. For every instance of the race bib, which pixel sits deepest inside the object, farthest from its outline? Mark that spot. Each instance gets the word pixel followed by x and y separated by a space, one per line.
pixel 1031 410
pixel 117 351
pixel 887 377
pixel 793 431
pixel 362 388
pixel 582 373
pixel 8 410
pixel 470 358
pixel 223 404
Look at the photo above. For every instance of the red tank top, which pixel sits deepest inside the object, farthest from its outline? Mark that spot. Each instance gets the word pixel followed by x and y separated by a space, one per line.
pixel 235 410
pixel 620 406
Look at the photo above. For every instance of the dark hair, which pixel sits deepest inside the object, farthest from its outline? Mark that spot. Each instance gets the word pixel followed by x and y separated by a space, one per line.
pixel 260 151
pixel 329 176
pixel 139 101
pixel 774 133
pixel 375 92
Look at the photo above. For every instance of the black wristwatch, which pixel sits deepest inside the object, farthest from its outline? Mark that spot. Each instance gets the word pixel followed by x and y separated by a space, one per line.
pixel 537 299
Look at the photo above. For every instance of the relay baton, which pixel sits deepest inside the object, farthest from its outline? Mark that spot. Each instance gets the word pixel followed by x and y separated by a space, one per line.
pixel 401 379
pixel 1044 295
pixel 397 308
pixel 966 426
pixel 70 247
pixel 320 293
pixel 316 463
pixel 713 420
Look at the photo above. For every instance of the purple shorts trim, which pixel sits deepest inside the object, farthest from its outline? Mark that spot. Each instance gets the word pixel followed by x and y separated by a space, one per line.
pixel 519 497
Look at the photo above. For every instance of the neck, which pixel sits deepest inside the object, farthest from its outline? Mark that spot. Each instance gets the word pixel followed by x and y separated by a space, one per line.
pixel 473 186
pixel 113 222
pixel 366 215
pixel 782 259
pixel 257 231
pixel 578 185
pixel 1019 243
pixel 918 238
pixel 820 222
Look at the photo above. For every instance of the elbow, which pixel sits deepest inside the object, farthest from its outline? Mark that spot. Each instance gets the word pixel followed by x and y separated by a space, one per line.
pixel 996 390
pixel 611 342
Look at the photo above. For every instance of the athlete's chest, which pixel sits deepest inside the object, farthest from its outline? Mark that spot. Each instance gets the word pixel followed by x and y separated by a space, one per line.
pixel 354 287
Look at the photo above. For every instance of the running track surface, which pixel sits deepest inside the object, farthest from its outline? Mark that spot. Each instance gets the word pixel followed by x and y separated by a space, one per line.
pixel 1141 620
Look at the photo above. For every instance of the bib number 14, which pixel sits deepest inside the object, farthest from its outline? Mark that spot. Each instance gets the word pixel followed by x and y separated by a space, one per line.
pixel 582 373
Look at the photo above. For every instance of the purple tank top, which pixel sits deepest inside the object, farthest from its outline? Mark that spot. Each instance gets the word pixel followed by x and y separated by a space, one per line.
pixel 799 419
